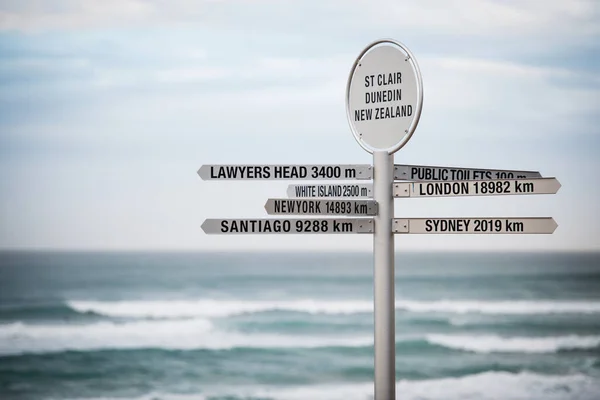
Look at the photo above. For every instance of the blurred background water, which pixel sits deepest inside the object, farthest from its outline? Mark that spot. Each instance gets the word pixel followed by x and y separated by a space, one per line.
pixel 279 326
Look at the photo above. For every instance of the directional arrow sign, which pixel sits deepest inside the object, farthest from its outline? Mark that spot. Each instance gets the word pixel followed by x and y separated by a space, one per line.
pixel 474 225
pixel 287 226
pixel 356 190
pixel 476 188
pixel 429 173
pixel 321 207
pixel 270 172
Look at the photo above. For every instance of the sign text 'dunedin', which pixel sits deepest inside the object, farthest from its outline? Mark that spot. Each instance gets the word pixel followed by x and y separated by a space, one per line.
pixel 384 96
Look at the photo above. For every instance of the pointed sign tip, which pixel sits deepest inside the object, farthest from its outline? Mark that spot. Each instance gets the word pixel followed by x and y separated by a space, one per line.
pixel 554 225
pixel 201 172
pixel 206 225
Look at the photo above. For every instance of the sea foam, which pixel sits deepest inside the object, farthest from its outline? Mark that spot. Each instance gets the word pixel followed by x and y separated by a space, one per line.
pixel 19 338
pixel 225 308
pixel 199 333
pixel 516 307
pixel 483 386
pixel 216 308
pixel 498 344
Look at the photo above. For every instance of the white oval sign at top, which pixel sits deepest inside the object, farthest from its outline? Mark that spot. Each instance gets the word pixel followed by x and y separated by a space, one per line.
pixel 384 96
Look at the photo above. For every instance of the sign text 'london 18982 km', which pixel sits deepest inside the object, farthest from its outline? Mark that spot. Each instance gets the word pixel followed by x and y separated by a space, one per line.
pixel 476 188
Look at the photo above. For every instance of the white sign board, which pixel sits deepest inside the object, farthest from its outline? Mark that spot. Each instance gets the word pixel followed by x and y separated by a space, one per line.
pixel 287 226
pixel 474 225
pixel 348 190
pixel 384 96
pixel 476 188
pixel 431 173
pixel 285 172
pixel 321 207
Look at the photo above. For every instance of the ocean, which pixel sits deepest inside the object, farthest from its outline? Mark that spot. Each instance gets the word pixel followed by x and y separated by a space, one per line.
pixel 296 326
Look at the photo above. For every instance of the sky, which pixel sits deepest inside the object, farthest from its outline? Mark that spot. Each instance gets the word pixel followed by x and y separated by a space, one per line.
pixel 108 108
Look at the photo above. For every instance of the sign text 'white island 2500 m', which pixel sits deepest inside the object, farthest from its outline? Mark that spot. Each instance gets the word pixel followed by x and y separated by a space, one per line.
pixel 384 98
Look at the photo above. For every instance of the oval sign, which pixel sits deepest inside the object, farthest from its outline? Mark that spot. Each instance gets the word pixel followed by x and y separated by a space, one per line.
pixel 384 96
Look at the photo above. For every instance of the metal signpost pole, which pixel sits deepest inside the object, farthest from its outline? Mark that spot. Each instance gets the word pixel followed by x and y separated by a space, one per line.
pixel 384 97
pixel 383 278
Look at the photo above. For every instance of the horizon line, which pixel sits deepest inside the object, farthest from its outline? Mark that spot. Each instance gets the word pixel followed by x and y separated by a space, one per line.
pixel 275 251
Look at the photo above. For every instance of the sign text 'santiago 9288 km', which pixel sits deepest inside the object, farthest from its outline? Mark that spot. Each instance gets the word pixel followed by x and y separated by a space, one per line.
pixel 288 226
pixel 384 98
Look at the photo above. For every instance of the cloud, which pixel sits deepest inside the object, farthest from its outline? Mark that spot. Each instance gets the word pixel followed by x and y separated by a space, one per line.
pixel 36 15
pixel 459 17
pixel 121 98
pixel 485 17
pixel 509 89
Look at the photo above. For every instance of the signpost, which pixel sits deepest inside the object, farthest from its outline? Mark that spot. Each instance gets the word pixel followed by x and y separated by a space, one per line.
pixel 477 188
pixel 384 98
pixel 429 173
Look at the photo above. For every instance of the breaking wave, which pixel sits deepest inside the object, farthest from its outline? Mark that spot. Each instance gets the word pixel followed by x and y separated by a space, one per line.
pixel 224 308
